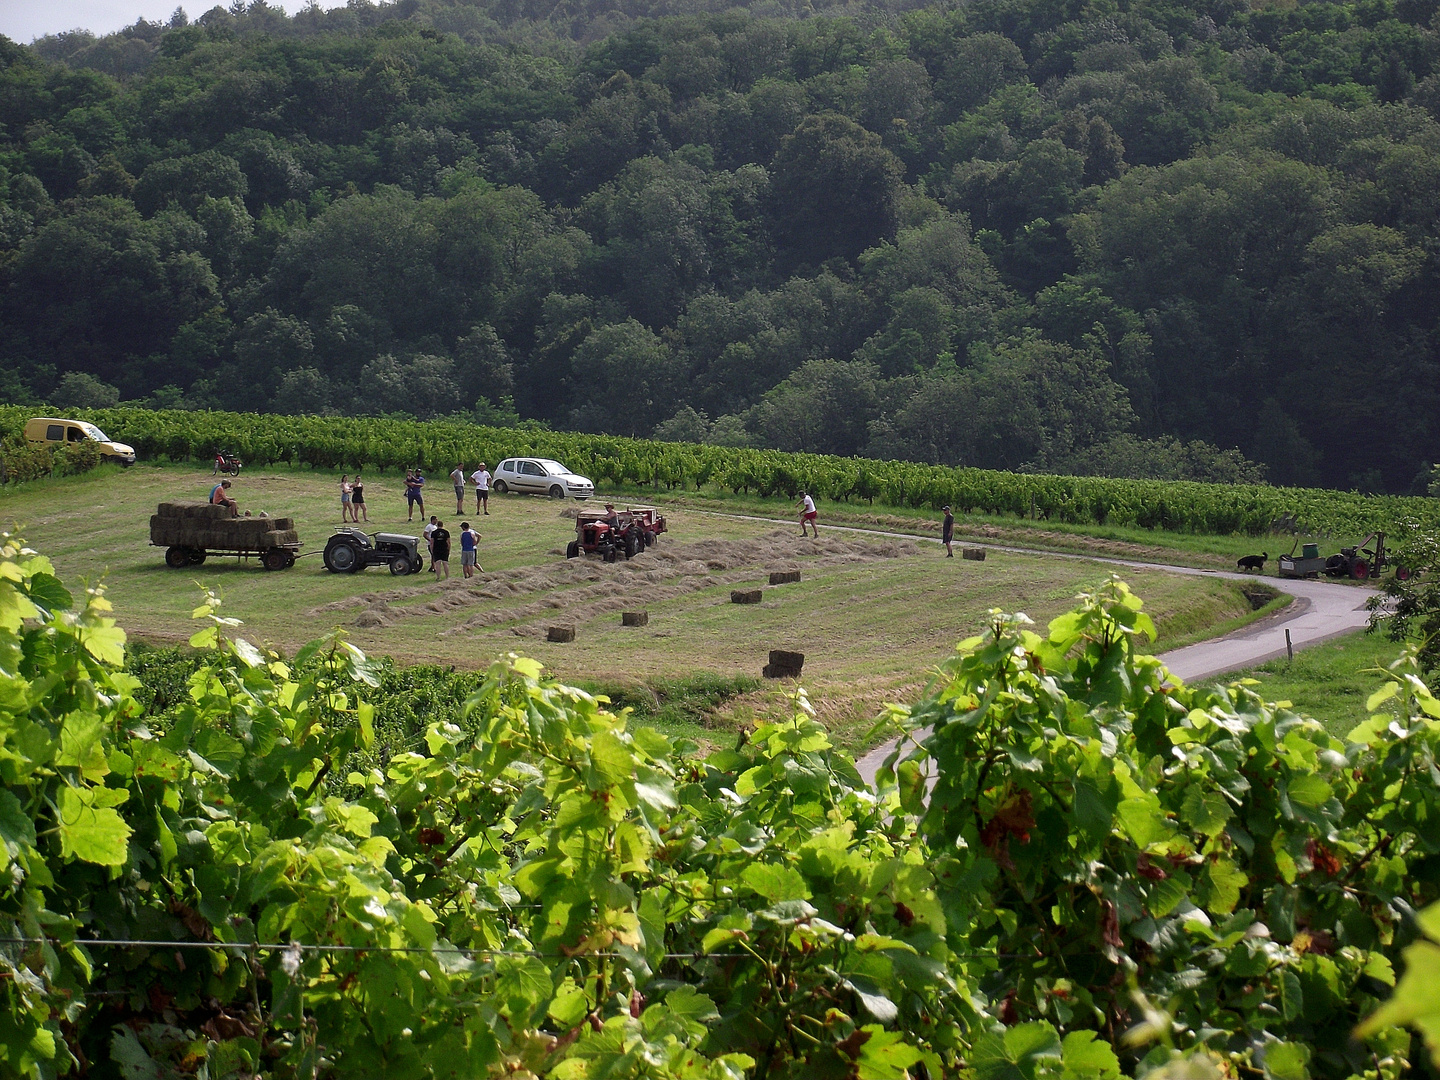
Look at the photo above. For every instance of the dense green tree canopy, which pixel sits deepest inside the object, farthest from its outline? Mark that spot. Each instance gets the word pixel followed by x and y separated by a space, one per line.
pixel 1135 237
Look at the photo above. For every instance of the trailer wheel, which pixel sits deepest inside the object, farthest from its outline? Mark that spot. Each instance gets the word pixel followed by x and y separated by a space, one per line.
pixel 196 557
pixel 275 559
pixel 400 565
pixel 572 549
pixel 177 557
pixel 1359 570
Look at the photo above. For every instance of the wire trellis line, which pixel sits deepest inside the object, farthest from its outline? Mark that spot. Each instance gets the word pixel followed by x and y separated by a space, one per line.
pixel 279 946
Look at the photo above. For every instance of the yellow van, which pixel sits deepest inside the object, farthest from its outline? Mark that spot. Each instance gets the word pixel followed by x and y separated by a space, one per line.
pixel 47 431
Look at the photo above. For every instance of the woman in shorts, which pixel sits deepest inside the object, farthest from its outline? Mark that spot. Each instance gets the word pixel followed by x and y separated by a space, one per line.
pixel 346 491
pixel 357 500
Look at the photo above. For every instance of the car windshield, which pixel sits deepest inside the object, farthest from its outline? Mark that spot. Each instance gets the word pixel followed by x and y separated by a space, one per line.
pixel 554 468
pixel 94 432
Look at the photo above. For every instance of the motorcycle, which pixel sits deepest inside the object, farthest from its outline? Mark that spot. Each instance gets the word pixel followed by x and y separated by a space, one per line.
pixel 226 462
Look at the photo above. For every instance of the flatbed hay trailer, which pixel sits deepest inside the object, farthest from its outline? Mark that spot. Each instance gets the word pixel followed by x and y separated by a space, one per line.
pixel 192 532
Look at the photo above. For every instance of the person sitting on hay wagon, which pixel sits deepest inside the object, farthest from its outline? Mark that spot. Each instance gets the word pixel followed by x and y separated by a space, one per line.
pixel 220 496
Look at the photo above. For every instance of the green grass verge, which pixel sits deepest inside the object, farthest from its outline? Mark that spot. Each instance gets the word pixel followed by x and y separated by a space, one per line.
pixel 1329 681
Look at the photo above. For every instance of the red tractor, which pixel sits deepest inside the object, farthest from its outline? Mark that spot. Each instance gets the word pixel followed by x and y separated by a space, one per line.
pixel 611 533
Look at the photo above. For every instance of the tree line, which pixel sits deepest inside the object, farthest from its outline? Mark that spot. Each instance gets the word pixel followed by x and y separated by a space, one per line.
pixel 1183 240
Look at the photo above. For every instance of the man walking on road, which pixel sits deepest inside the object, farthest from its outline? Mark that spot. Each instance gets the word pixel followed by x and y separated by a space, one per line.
pixel 947 531
pixel 808 513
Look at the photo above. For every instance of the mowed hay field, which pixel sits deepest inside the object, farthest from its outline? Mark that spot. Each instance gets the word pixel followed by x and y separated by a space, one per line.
pixel 872 614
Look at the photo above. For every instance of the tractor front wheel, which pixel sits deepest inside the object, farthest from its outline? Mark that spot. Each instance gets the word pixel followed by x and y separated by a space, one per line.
pixel 400 565
pixel 572 549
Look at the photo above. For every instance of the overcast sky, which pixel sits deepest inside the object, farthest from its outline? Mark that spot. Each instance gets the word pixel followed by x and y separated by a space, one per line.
pixel 25 20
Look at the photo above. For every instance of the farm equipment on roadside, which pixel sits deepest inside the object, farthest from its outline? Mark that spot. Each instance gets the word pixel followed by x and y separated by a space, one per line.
pixel 348 551
pixel 1358 563
pixel 611 534
pixel 191 532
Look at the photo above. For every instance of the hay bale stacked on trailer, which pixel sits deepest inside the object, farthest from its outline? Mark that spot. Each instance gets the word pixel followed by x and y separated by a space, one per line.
pixel 190 531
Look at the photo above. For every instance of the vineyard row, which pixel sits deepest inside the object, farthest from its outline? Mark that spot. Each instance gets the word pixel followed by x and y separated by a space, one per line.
pixel 377 443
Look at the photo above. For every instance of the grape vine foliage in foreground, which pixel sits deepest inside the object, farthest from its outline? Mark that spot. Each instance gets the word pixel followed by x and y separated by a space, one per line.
pixel 1114 874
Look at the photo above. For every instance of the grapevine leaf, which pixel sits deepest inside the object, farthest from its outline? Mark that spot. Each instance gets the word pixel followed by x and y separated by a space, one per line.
pixel 885 1055
pixel 105 641
pixel 1087 1058
pixel 1019 1054
pixel 775 883
pixel 46 590
pixel 91 830
pixel 611 760
pixel 911 778
pixel 17 831
pixel 1287 1061
pixel 1205 811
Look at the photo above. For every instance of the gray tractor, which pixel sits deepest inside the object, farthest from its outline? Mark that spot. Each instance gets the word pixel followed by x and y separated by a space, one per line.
pixel 349 551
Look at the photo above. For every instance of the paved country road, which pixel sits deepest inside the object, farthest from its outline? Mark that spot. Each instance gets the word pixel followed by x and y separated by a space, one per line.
pixel 1321 610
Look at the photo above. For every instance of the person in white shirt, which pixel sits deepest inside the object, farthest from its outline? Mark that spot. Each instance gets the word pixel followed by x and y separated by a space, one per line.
pixel 458 479
pixel 429 548
pixel 808 513
pixel 481 479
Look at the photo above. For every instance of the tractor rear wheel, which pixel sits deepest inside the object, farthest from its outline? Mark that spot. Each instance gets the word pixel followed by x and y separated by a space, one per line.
pixel 177 557
pixel 1359 569
pixel 343 557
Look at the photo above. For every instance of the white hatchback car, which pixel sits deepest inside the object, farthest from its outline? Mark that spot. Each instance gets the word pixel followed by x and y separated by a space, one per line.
pixel 540 476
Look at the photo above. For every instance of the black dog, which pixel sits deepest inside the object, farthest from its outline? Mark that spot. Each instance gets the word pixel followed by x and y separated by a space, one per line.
pixel 1252 562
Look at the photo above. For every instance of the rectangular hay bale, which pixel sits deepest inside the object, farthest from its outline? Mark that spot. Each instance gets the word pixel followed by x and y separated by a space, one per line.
pixel 783 664
pixel 973 554
pixel 634 618
pixel 560 633
pixel 784 577
pixel 746 596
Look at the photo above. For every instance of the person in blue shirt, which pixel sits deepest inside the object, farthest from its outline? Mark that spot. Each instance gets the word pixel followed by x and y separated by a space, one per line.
pixel 469 538
pixel 414 483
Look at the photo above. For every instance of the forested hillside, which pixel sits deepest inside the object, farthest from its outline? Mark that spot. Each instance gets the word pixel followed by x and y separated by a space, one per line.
pixel 1116 237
